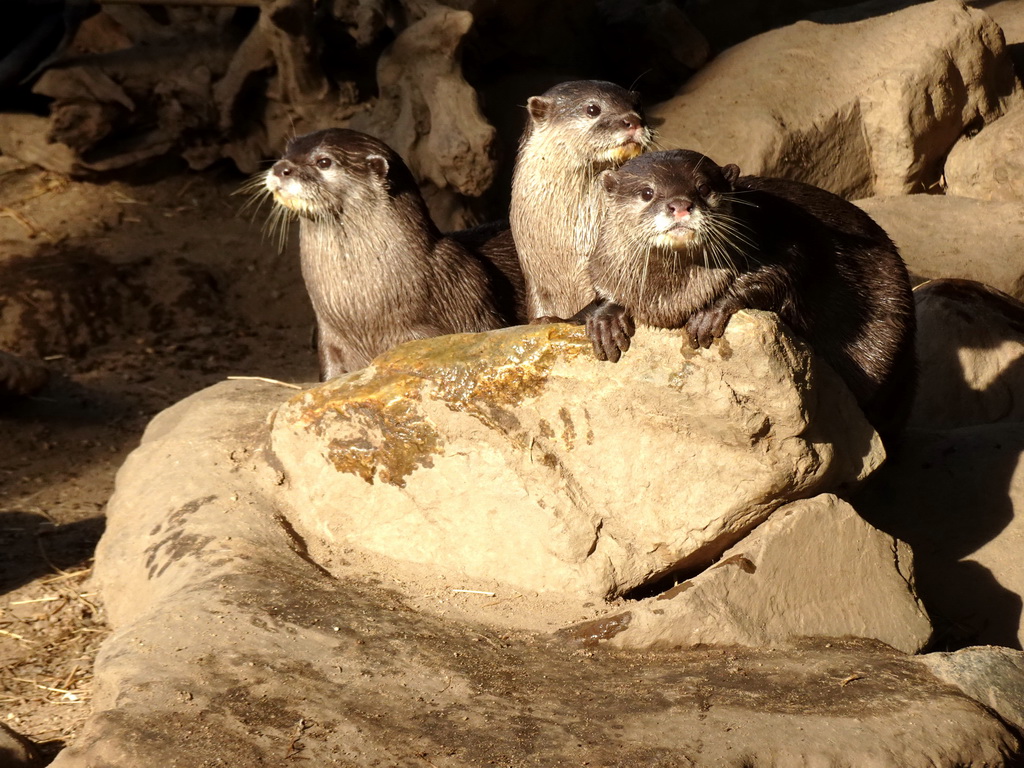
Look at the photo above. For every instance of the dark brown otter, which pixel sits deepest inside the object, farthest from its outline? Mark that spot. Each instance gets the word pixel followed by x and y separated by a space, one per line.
pixel 377 269
pixel 686 244
pixel 575 131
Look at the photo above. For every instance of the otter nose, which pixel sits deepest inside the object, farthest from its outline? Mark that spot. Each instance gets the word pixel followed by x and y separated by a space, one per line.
pixel 282 168
pixel 679 207
pixel 631 122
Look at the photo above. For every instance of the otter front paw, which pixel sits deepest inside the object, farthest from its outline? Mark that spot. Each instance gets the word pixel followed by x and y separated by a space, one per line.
pixel 610 327
pixel 706 325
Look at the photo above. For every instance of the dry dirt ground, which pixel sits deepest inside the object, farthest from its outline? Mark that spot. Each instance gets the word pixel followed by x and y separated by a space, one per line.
pixel 136 292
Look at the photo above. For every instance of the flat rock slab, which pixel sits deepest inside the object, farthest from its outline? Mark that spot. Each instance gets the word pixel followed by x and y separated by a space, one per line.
pixel 794 576
pixel 231 647
pixel 938 237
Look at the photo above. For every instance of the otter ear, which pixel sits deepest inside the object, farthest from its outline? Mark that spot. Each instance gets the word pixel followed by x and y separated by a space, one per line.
pixel 731 172
pixel 378 165
pixel 609 181
pixel 539 107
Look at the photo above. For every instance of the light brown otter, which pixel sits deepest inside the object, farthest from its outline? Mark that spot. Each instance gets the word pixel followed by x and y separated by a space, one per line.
pixel 575 131
pixel 377 269
pixel 686 244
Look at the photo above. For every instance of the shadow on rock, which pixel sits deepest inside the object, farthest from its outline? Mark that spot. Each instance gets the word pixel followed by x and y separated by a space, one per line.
pixel 950 490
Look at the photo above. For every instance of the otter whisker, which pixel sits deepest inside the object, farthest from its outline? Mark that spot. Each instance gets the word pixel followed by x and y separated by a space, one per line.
pixel 277 225
pixel 738 237
pixel 734 197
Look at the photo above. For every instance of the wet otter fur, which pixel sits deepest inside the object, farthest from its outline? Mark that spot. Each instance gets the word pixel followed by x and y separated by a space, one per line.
pixel 377 269
pixel 575 130
pixel 686 244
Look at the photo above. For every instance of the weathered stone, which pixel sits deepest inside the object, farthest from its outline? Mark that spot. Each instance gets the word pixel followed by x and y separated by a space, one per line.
pixel 518 453
pixel 940 236
pixel 956 496
pixel 16 751
pixel 1008 14
pixel 865 108
pixel 990 165
pixel 993 676
pixel 231 647
pixel 970 351
pixel 848 580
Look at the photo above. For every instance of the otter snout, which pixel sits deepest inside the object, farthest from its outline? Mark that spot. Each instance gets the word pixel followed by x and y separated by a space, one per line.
pixel 679 207
pixel 282 169
pixel 283 182
pixel 632 123
pixel 636 130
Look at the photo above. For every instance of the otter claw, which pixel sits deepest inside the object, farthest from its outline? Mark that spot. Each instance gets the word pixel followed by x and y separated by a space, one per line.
pixel 703 327
pixel 610 327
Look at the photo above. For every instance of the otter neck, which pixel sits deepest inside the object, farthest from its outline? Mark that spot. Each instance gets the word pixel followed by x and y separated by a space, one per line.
pixel 554 215
pixel 380 251
pixel 660 286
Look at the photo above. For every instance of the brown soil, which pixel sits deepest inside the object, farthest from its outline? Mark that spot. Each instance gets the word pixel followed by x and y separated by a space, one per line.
pixel 136 294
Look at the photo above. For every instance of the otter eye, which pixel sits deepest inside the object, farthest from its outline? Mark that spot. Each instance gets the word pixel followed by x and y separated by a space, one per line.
pixel 704 190
pixel 647 194
pixel 593 110
pixel 323 163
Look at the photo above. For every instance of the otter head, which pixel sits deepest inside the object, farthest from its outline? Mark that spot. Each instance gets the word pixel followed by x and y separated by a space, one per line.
pixel 674 200
pixel 336 172
pixel 599 123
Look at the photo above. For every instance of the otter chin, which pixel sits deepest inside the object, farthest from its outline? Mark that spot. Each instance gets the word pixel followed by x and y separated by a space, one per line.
pixel 675 237
pixel 291 198
pixel 620 154
pixel 686 243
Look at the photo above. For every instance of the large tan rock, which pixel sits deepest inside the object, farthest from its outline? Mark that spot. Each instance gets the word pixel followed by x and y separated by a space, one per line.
pixel 517 454
pixel 945 236
pixel 865 108
pixel 970 351
pixel 990 165
pixel 849 579
pixel 233 646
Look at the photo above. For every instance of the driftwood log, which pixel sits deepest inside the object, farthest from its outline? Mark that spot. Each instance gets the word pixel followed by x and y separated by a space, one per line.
pixel 207 80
